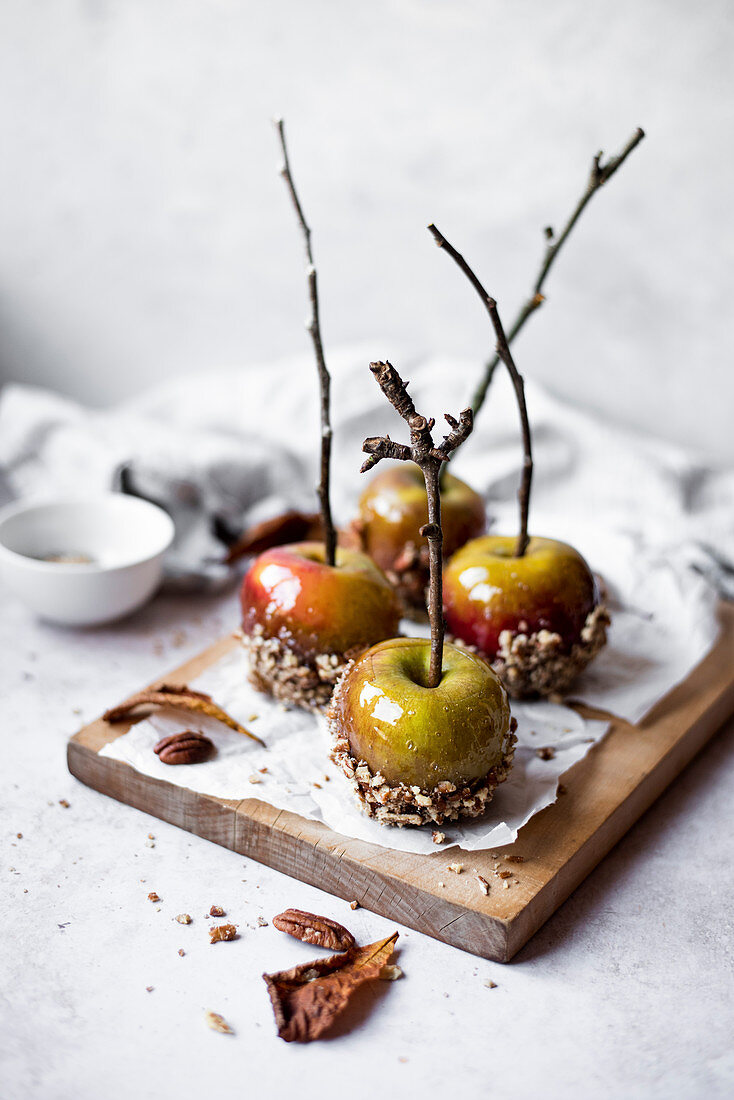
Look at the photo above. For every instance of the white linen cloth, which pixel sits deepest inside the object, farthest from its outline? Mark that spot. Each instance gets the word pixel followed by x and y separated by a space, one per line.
pixel 656 522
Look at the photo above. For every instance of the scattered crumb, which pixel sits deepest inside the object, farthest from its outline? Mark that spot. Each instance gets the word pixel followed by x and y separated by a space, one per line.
pixel 442 885
pixel 402 1059
pixel 391 973
pixel 506 885
pixel 317 786
pixel 183 918
pixel 254 779
pixel 483 884
pixel 457 868
pixel 546 753
pixel 217 1023
pixel 63 802
pixel 76 710
pixel 354 904
pixel 220 933
pixel 438 837
pixel 150 844
pixel 515 859
pixel 151 836
pixel 149 988
pixel 152 896
pixel 181 952
pixel 19 836
pixel 262 770
pixel 216 911
pixel 261 922
pixel 253 718
pixel 327 778
pixel 504 874
pixel 490 984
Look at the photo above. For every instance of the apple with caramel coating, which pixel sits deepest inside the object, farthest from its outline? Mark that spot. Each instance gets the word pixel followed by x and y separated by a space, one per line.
pixel 302 619
pixel 537 618
pixel 416 753
pixel 392 510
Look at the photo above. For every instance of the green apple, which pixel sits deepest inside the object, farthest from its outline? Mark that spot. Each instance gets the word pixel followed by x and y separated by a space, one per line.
pixel 417 735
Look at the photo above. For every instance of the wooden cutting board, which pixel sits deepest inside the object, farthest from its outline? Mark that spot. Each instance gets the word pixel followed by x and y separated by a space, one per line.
pixel 604 794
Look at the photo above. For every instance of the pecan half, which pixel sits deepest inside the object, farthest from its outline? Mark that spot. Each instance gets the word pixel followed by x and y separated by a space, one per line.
pixel 310 928
pixel 186 747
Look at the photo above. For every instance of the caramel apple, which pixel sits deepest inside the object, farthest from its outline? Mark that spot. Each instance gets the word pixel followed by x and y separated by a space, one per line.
pixel 307 608
pixel 530 605
pixel 422 730
pixel 392 510
pixel 537 617
pixel 303 619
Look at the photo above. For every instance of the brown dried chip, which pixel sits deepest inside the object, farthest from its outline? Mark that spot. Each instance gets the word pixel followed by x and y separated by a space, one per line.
pixel 216 911
pixel 515 859
pixel 354 904
pixel 547 752
pixel 180 697
pixel 292 526
pixel 152 896
pixel 310 928
pixel 483 884
pixel 187 747
pixel 219 933
pixel 307 999
pixel 218 1023
pixel 504 874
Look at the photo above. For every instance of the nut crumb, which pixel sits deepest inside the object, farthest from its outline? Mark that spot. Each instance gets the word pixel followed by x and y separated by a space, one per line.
pixel 490 984
pixel 216 911
pixel 183 918
pixel 150 844
pixel 152 896
pixel 217 1023
pixel 181 952
pixel 506 885
pixel 457 868
pixel 63 802
pixel 262 770
pixel 504 874
pixel 483 884
pixel 547 752
pixel 391 973
pixel 515 859
pixel 261 922
pixel 151 836
pixel 317 786
pixel 442 885
pixel 354 904
pixel 254 779
pixel 220 933
pixel 149 988
pixel 19 836
pixel 438 837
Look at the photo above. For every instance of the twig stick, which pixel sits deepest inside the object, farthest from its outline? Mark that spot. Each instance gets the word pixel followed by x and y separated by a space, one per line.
pixel 599 175
pixel 429 458
pixel 314 328
pixel 503 353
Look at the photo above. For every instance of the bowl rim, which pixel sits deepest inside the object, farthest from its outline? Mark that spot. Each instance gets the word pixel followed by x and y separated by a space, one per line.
pixel 32 504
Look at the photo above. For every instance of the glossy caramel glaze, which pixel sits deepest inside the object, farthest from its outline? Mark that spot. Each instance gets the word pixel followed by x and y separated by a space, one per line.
pixel 293 595
pixel 422 736
pixel 487 590
pixel 394 507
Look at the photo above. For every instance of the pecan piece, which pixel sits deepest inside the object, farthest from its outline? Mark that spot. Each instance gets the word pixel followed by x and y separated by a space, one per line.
pixel 220 933
pixel 310 928
pixel 187 747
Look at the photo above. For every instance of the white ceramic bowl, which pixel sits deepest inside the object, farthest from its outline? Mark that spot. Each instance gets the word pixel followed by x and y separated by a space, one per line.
pixel 123 538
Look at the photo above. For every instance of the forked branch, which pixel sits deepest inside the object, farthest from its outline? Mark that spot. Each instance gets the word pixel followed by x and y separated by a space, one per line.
pixel 600 173
pixel 503 353
pixel 429 458
pixel 314 328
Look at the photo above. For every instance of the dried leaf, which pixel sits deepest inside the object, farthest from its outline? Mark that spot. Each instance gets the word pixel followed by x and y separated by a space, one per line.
pixel 181 697
pixel 292 526
pixel 307 999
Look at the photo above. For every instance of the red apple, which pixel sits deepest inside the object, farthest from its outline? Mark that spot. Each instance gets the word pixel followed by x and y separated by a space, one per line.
pixel 392 510
pixel 418 752
pixel 302 619
pixel 549 598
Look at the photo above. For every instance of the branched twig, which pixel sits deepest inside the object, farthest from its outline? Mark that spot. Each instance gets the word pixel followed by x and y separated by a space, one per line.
pixel 503 352
pixel 430 459
pixel 599 175
pixel 314 328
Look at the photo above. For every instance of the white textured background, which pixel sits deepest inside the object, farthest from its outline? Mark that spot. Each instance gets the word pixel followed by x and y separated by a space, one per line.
pixel 143 231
